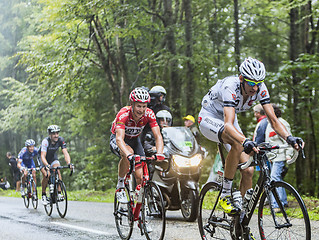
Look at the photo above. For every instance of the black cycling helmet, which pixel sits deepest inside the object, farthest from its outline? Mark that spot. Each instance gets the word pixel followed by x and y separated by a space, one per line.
pixel 53 129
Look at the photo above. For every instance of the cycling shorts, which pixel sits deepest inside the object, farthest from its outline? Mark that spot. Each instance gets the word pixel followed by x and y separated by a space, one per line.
pixel 212 127
pixel 56 161
pixel 30 165
pixel 134 143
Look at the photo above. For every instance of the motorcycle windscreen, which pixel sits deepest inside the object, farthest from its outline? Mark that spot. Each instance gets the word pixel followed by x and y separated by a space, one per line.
pixel 181 137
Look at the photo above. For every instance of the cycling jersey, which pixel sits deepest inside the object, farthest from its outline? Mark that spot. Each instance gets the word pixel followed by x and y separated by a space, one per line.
pixel 26 158
pixel 51 148
pixel 124 120
pixel 227 93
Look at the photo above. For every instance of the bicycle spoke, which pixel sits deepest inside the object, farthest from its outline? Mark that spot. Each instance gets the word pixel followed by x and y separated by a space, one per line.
pixel 61 199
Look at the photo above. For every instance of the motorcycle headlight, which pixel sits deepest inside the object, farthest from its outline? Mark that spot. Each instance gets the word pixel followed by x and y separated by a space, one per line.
pixel 181 161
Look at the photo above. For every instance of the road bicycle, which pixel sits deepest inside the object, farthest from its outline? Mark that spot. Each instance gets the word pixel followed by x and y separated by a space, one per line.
pixel 30 190
pixel 144 206
pixel 289 221
pixel 57 192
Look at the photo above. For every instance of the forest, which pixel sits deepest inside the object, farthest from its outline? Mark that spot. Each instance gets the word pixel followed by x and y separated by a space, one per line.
pixel 74 62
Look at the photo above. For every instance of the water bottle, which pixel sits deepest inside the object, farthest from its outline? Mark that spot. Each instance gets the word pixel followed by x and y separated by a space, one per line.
pixel 51 186
pixel 247 198
pixel 238 200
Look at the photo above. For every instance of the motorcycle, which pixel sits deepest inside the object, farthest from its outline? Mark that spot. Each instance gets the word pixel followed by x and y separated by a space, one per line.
pixel 179 175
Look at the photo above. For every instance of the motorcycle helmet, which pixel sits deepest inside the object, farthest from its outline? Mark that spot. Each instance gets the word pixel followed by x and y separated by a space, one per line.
pixel 164 118
pixel 156 92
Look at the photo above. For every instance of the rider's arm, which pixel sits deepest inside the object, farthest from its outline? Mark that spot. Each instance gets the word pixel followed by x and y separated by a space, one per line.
pixel 19 164
pixel 66 156
pixel 120 134
pixel 43 158
pixel 158 139
pixel 229 118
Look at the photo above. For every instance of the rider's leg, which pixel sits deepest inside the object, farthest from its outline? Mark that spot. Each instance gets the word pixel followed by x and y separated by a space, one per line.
pixel 34 178
pixel 246 180
pixel 44 181
pixel 122 168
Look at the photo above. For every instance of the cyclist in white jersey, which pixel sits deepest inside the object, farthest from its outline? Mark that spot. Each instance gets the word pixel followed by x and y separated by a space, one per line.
pixel 218 122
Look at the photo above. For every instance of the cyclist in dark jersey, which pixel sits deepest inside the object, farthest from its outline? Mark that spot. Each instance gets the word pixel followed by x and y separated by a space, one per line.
pixel 49 158
pixel 125 141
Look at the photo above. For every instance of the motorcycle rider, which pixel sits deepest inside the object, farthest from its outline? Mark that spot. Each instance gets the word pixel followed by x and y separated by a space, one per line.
pixel 164 119
pixel 158 95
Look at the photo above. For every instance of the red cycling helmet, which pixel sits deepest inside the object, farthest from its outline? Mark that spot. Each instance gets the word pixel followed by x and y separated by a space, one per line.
pixel 140 95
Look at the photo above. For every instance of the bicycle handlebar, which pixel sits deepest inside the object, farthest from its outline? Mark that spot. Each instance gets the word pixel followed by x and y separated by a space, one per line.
pixel 62 167
pixel 142 159
pixel 268 148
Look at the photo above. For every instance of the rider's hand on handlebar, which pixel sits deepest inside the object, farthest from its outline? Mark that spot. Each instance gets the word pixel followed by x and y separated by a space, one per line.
pixel 295 142
pixel 249 146
pixel 71 166
pixel 132 157
pixel 159 156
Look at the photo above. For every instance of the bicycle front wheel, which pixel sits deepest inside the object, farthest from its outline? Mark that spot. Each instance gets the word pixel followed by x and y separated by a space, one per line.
pixel 61 199
pixel 213 223
pixel 34 193
pixel 26 198
pixel 280 218
pixel 153 212
pixel 124 219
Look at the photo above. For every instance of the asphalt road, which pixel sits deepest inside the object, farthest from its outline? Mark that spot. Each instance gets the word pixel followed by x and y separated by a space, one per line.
pixel 84 220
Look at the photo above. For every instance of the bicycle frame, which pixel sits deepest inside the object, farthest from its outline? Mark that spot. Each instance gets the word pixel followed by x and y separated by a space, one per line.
pixel 136 207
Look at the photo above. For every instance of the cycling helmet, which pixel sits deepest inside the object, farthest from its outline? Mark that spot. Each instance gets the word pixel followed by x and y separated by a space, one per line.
pixel 156 92
pixel 29 142
pixel 165 115
pixel 53 129
pixel 140 95
pixel 253 69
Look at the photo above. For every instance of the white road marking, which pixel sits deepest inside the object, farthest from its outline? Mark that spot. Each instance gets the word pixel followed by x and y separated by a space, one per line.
pixel 82 228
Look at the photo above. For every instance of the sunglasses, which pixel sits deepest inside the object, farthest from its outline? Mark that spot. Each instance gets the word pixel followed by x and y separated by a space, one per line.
pixel 253 83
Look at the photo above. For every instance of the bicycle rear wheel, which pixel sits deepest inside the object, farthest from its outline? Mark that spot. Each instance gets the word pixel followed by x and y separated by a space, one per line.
pixel 61 199
pixel 213 223
pixel 124 219
pixel 26 198
pixel 153 212
pixel 34 194
pixel 289 221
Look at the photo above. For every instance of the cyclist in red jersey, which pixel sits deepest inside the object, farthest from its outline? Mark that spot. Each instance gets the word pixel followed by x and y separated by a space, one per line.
pixel 124 140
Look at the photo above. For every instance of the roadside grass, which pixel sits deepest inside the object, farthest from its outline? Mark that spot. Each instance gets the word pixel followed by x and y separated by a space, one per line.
pixel 311 203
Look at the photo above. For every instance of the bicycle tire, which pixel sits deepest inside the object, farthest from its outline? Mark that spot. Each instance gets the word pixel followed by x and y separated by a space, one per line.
pixel 124 219
pixel 213 223
pixel 61 202
pixel 153 212
pixel 49 207
pixel 189 205
pixel 26 198
pixel 34 195
pixel 296 211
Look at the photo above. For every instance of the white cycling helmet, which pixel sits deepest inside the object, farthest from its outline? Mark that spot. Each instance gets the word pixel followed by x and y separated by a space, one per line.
pixel 253 69
pixel 165 115
pixel 53 129
pixel 158 89
pixel 140 95
pixel 29 142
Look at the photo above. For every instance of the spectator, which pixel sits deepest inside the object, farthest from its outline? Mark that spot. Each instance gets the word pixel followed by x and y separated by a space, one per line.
pixel 15 171
pixel 278 163
pixel 189 122
pixel 262 122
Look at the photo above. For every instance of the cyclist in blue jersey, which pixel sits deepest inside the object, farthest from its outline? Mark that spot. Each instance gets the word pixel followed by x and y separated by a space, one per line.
pixel 48 157
pixel 25 160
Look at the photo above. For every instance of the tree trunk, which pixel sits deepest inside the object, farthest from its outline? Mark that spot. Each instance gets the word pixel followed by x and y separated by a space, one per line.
pixel 190 84
pixel 175 82
pixel 236 27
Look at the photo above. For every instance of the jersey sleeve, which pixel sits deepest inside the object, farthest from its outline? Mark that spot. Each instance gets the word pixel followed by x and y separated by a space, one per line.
pixel 62 143
pixel 44 145
pixel 151 118
pixel 121 118
pixel 263 95
pixel 21 153
pixel 229 95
